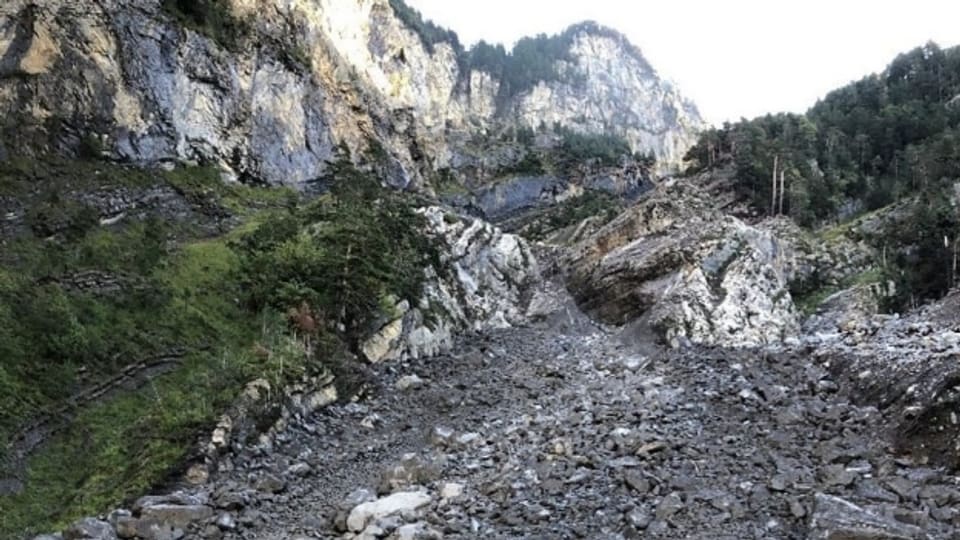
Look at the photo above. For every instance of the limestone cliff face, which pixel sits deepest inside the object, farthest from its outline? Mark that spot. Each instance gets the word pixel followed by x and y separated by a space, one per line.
pixel 615 90
pixel 296 79
pixel 677 265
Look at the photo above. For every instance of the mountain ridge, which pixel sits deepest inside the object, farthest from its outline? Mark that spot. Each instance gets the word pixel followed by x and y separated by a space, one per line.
pixel 269 98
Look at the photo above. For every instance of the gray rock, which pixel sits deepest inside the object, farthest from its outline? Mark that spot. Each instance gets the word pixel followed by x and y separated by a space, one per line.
pixel 175 516
pixel 226 522
pixel 300 469
pixel 412 470
pixel 178 498
pixel 356 498
pixel 270 483
pixel 834 518
pixel 409 382
pixel 670 505
pixel 640 518
pixel 398 503
pixel 90 529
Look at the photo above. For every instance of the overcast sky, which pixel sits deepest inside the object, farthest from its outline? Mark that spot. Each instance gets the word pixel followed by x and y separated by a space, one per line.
pixel 734 58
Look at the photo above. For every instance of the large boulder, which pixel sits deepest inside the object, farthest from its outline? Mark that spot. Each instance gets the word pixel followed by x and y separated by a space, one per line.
pixel 90 529
pixel 834 518
pixel 407 501
pixel 676 264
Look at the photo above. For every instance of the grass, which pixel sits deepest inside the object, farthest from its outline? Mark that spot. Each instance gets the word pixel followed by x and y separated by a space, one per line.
pixel 204 184
pixel 573 211
pixel 848 228
pixel 810 302
pixel 182 294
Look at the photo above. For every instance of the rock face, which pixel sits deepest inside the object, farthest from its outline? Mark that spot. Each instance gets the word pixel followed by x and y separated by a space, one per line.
pixel 620 93
pixel 485 282
pixel 674 263
pixel 270 98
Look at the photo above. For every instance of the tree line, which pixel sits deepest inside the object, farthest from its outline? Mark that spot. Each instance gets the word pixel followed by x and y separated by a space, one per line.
pixel 530 61
pixel 888 137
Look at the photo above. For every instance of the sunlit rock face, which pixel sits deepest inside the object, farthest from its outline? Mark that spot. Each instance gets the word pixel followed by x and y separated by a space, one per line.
pixel 272 99
pixel 610 88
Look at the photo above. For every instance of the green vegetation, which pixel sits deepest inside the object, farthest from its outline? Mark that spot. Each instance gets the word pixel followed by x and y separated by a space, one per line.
pixel 529 165
pixel 530 61
pixel 429 33
pixel 341 256
pixel 809 298
pixel 881 138
pixel 535 59
pixel 204 186
pixel 81 302
pixel 888 137
pixel 602 149
pixel 598 204
pixel 211 18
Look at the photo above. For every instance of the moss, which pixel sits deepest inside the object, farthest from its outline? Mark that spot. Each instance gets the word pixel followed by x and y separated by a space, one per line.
pixel 50 176
pixel 809 302
pixel 445 183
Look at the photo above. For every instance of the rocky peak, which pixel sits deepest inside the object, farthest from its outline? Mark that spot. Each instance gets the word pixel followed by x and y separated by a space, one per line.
pixel 608 86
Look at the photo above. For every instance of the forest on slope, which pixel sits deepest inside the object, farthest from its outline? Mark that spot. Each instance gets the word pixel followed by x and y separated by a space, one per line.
pixel 889 139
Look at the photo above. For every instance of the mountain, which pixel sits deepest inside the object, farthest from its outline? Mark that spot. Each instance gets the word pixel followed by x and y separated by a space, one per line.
pixel 256 355
pixel 885 148
pixel 267 90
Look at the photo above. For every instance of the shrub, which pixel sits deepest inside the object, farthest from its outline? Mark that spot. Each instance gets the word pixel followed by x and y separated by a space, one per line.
pixel 341 255
pixel 603 149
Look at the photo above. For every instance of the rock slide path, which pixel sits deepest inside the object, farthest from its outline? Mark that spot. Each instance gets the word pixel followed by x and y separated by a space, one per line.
pixel 559 432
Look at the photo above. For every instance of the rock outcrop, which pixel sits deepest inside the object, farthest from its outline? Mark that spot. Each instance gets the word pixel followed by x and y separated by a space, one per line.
pixel 486 279
pixel 270 96
pixel 675 263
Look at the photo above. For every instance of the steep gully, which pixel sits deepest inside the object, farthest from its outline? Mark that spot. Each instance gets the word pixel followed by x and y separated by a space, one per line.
pixel 562 430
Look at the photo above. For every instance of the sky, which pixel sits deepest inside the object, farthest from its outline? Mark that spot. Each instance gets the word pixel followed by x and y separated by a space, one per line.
pixel 733 58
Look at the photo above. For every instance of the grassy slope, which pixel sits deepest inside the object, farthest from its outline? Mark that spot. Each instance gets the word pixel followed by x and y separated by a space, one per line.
pixel 186 299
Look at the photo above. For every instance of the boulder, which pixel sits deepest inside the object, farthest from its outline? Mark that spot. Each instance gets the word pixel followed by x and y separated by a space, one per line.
pixel 90 529
pixel 176 516
pixel 834 518
pixel 397 503
pixel 677 265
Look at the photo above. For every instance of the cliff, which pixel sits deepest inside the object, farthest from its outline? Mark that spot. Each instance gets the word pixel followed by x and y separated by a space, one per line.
pixel 267 90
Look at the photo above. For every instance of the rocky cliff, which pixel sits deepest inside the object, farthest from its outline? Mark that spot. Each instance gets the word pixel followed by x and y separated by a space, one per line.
pixel 676 264
pixel 266 90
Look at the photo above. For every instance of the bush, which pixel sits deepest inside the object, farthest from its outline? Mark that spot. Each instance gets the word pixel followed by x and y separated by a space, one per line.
pixel 429 33
pixel 59 216
pixel 531 164
pixel 602 149
pixel 90 148
pixel 339 256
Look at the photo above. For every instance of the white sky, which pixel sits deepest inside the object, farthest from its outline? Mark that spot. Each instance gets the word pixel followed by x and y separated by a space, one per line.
pixel 733 58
